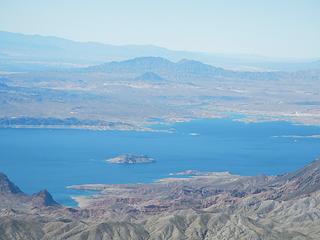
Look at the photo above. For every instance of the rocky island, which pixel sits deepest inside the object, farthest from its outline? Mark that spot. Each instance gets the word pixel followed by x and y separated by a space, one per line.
pixel 131 159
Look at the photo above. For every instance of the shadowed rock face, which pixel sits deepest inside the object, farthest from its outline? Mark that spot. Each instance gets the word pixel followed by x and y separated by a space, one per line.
pixel 6 186
pixel 43 199
pixel 12 197
pixel 210 206
pixel 150 77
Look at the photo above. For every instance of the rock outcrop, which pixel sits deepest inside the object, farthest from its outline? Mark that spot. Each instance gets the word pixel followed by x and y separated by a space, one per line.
pixel 43 199
pixel 6 186
pixel 130 159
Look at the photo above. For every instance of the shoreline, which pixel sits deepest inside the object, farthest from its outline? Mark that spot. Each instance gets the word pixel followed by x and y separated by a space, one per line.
pixel 148 127
pixel 101 189
pixel 85 128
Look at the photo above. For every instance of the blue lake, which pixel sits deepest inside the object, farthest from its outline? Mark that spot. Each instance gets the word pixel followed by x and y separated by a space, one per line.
pixel 53 159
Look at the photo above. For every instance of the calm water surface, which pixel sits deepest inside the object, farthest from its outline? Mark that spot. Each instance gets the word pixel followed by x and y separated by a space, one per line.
pixel 53 159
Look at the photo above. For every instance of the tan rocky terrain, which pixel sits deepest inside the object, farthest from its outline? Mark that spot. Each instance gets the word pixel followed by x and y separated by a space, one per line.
pixel 205 206
pixel 132 94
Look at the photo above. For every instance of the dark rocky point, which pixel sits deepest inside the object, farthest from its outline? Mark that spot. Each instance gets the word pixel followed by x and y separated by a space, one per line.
pixel 6 186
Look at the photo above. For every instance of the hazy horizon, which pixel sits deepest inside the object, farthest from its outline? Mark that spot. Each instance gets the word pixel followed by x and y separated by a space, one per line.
pixel 287 29
pixel 219 54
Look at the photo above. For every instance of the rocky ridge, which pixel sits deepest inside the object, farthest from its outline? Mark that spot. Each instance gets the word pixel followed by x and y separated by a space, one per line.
pixel 210 206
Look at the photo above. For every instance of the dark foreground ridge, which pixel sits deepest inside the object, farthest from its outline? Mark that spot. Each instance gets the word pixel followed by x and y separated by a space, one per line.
pixel 205 206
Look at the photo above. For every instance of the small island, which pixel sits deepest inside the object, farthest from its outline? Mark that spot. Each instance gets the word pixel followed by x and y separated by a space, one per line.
pixel 131 159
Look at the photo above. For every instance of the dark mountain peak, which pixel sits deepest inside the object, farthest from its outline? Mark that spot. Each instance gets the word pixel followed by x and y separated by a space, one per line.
pixel 150 76
pixel 158 65
pixel 6 186
pixel 43 199
pixel 176 70
pixel 138 64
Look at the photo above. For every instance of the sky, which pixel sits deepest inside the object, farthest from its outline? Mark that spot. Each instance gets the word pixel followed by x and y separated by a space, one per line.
pixel 272 28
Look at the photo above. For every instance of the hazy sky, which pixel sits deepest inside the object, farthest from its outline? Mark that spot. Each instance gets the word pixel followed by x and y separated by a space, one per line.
pixel 276 28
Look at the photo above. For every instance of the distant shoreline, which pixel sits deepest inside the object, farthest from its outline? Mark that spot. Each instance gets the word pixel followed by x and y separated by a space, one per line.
pixel 148 127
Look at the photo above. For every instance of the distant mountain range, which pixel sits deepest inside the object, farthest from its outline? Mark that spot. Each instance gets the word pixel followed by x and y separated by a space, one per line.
pixel 20 52
pixel 156 64
pixel 182 69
